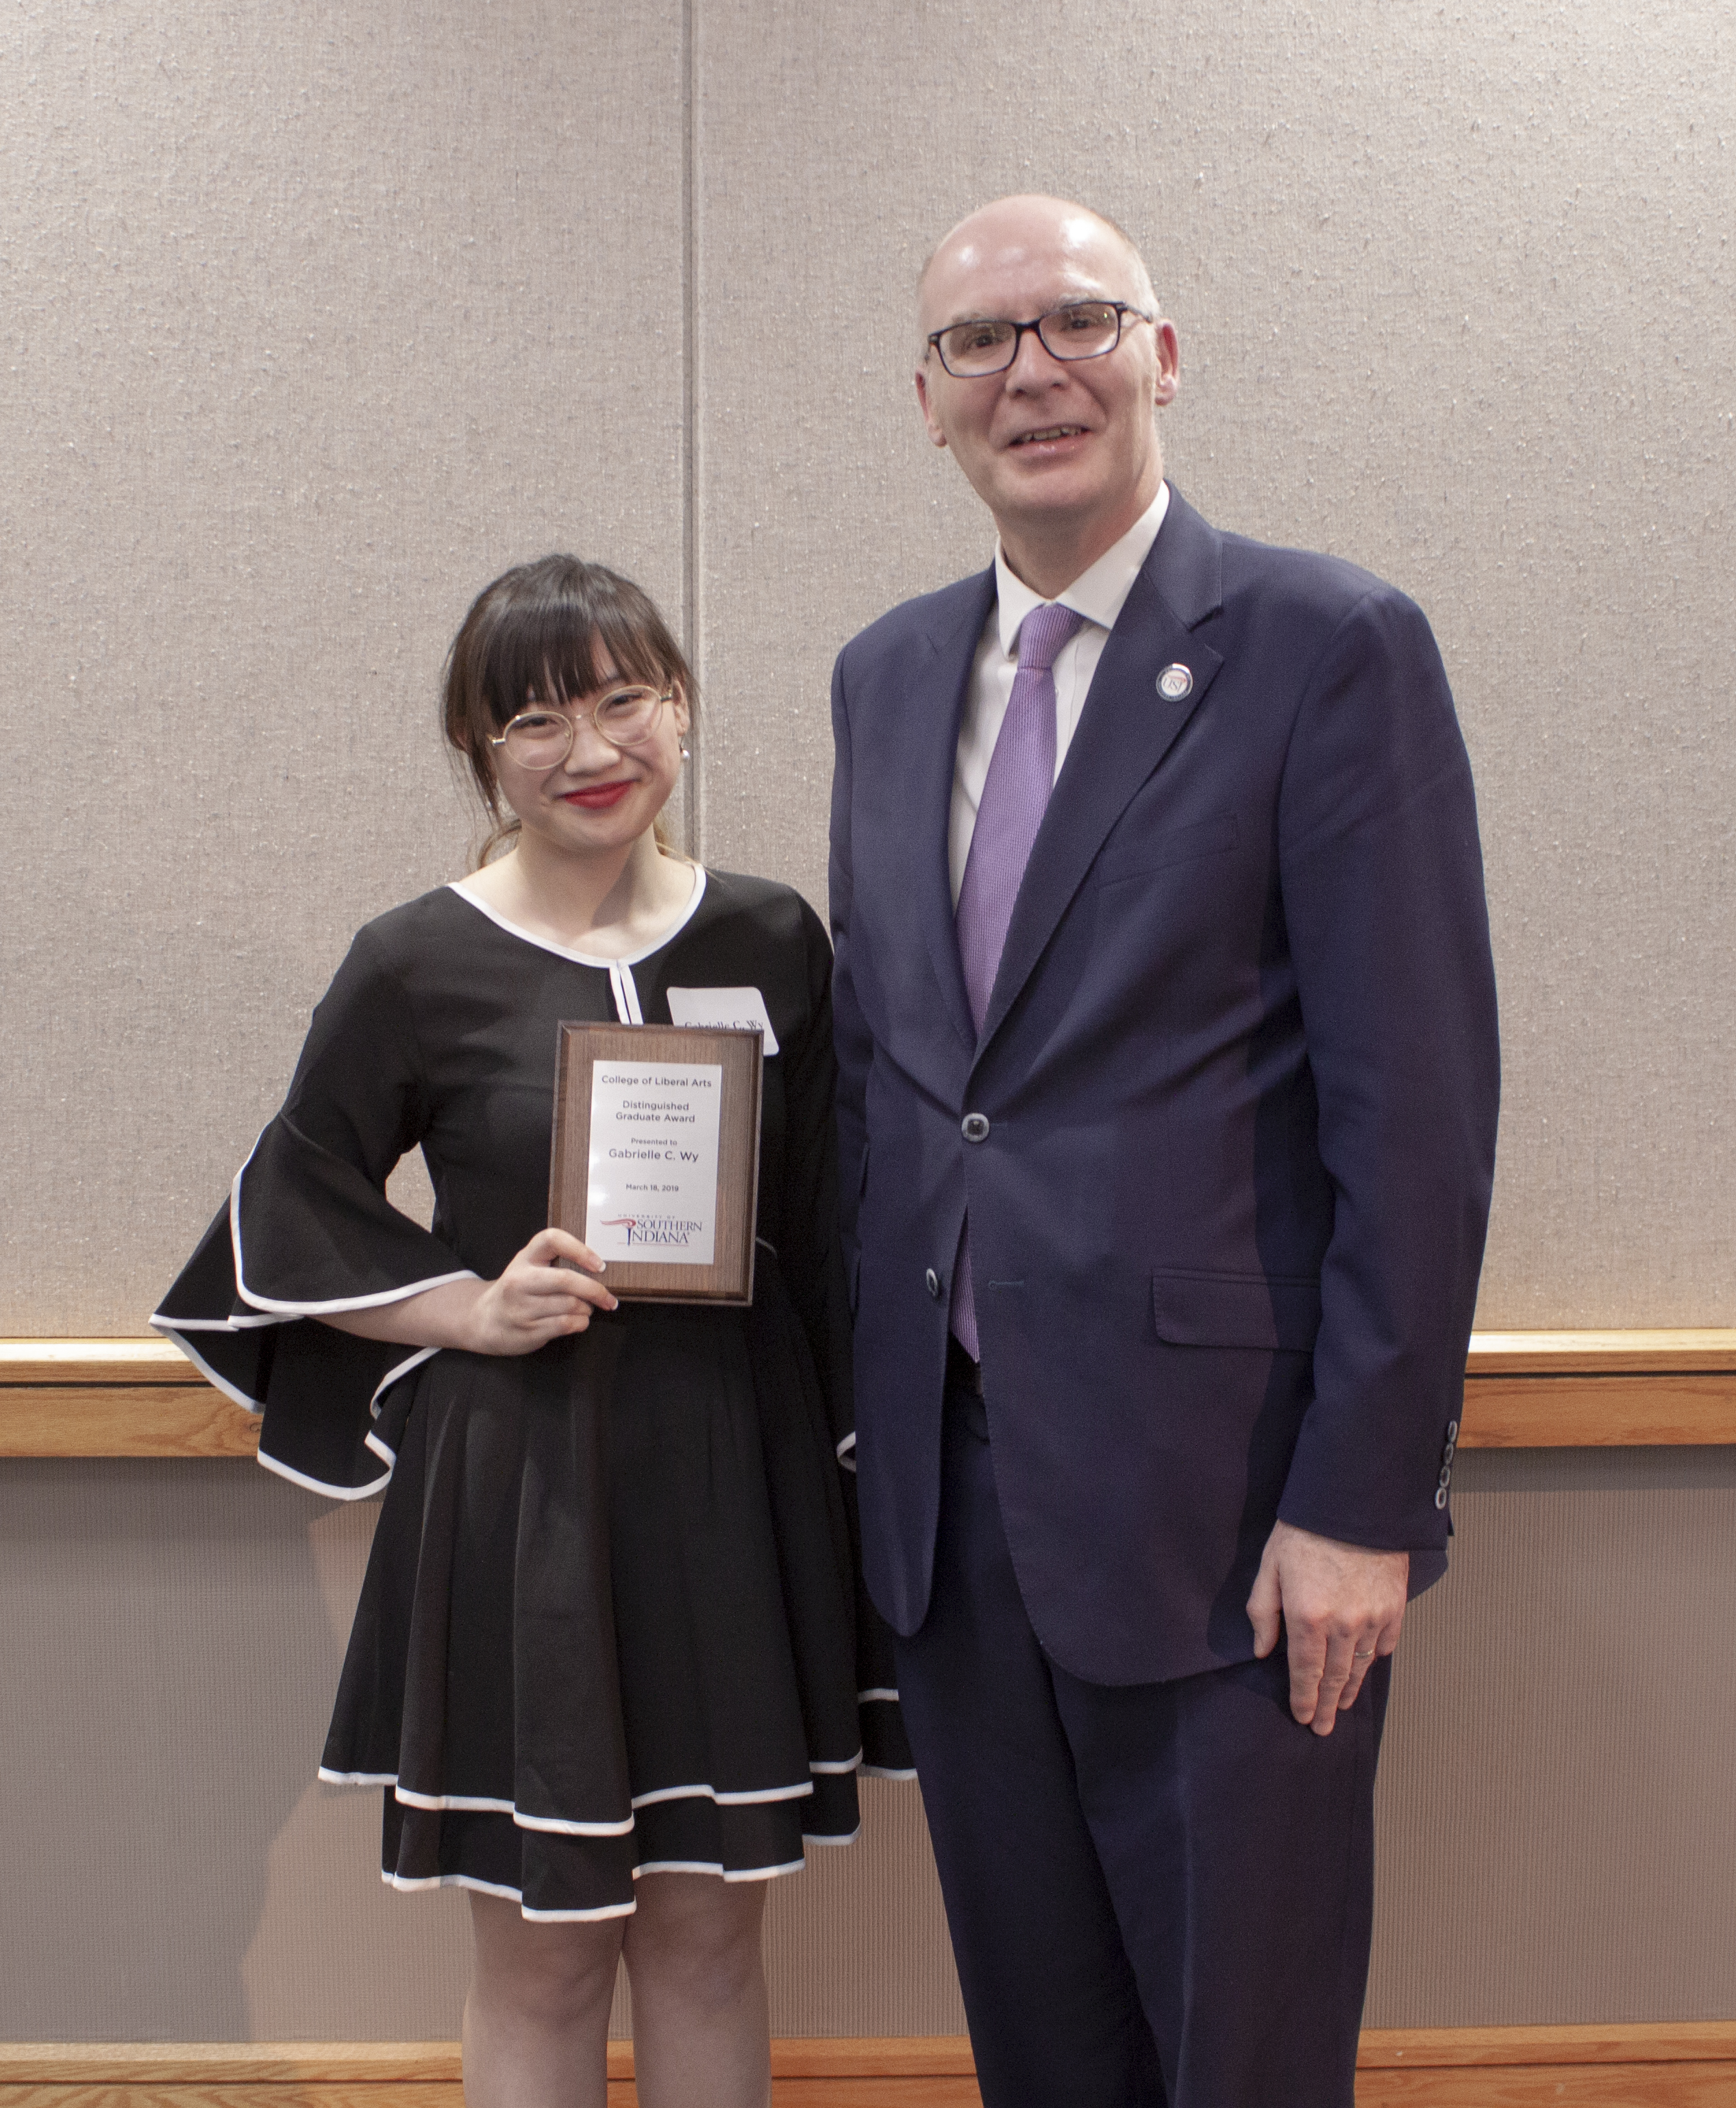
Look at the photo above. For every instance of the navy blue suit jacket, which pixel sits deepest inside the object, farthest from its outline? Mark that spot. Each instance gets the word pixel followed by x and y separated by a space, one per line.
pixel 1240 1072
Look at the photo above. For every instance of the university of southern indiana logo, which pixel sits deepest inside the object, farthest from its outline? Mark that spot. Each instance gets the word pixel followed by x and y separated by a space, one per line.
pixel 671 1232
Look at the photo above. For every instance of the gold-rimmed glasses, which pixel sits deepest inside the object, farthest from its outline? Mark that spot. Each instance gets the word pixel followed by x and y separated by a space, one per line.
pixel 542 737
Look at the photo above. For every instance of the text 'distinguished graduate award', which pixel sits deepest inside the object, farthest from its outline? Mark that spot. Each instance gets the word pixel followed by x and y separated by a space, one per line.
pixel 655 1156
pixel 653 1160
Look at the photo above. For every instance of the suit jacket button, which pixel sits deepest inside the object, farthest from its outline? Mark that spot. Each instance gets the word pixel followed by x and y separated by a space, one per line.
pixel 1452 1432
pixel 933 1281
pixel 1440 1497
pixel 975 1127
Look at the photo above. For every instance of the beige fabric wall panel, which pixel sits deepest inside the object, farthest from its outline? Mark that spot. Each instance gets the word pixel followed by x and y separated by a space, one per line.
pixel 172 1634
pixel 1553 1836
pixel 1555 1842
pixel 1455 293
pixel 315 317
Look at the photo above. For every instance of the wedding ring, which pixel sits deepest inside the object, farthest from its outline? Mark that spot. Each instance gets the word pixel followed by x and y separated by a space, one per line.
pixel 1364 1654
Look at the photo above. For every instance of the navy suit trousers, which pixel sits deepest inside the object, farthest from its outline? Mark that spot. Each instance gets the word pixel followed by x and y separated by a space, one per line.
pixel 1160 1895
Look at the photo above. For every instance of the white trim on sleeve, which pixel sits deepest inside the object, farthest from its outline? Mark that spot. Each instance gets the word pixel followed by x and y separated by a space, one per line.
pixel 280 1307
pixel 282 1471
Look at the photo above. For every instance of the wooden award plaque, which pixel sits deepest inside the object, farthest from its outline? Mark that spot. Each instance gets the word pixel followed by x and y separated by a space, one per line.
pixel 655 1156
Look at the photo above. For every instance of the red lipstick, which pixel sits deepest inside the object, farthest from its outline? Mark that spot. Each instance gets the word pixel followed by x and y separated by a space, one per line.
pixel 598 797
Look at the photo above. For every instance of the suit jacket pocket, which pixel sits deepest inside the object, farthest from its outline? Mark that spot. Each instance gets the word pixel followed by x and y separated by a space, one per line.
pixel 1272 1313
pixel 1122 862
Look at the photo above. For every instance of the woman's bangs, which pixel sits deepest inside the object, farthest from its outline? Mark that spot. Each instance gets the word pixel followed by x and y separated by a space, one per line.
pixel 550 653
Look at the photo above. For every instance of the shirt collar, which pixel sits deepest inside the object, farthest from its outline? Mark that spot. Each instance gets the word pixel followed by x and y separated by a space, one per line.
pixel 1099 594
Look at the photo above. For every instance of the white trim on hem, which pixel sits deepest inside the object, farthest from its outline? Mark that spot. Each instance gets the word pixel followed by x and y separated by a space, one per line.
pixel 482 1804
pixel 723 1799
pixel 555 1827
pixel 472 1804
pixel 407 1885
pixel 585 958
pixel 716 1867
pixel 812 1837
pixel 877 1692
pixel 828 1770
pixel 886 1771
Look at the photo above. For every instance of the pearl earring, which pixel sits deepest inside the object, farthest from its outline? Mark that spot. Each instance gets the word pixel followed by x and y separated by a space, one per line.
pixel 685 756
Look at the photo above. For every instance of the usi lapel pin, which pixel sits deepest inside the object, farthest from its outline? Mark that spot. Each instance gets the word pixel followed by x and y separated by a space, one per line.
pixel 1175 682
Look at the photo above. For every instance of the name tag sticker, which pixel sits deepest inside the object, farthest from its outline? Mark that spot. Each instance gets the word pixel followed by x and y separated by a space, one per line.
pixel 737 1008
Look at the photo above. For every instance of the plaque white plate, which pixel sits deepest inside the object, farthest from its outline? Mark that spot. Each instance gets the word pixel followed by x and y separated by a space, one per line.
pixel 652 1191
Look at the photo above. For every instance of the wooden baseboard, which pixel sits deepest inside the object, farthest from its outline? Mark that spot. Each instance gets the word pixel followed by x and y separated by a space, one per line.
pixel 1644 2064
pixel 1523 1390
pixel 1640 2065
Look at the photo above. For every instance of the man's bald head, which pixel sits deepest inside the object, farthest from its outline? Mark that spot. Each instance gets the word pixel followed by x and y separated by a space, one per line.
pixel 1060 444
pixel 1013 227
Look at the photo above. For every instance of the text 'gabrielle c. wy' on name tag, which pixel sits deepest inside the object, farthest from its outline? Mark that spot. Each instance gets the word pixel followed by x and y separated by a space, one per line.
pixel 741 1008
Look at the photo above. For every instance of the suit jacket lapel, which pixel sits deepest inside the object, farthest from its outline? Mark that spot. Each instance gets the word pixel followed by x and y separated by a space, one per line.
pixel 1126 728
pixel 937 704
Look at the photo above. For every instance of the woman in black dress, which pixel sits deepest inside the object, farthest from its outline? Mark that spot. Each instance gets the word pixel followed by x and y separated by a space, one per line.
pixel 604 1662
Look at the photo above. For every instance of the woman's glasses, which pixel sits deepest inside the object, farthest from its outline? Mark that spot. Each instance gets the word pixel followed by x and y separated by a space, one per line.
pixel 541 738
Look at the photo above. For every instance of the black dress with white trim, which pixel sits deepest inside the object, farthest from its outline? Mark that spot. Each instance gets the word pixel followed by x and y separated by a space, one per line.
pixel 612 1621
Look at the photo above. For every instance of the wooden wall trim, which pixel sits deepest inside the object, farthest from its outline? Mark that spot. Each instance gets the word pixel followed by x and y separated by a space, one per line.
pixel 1600 1353
pixel 1647 2064
pixel 425 2064
pixel 1523 1390
pixel 1631 2042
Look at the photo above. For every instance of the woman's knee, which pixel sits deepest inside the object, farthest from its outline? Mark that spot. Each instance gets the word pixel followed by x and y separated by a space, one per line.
pixel 696 1936
pixel 550 1973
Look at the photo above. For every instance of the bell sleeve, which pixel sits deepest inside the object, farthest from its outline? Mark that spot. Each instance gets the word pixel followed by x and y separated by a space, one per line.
pixel 308 1232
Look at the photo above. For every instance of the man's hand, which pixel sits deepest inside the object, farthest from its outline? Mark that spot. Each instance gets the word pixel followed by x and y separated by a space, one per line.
pixel 1339 1606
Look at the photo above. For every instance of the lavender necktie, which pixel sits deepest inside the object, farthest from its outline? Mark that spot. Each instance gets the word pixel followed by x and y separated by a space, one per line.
pixel 1021 773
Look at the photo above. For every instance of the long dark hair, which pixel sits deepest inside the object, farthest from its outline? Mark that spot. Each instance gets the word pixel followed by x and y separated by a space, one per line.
pixel 539 631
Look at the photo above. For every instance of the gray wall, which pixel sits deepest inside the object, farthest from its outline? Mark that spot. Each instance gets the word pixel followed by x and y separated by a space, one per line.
pixel 1554 1834
pixel 316 318
pixel 313 318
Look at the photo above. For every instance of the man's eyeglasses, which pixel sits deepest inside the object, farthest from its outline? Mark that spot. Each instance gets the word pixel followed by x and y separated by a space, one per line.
pixel 1082 329
pixel 539 739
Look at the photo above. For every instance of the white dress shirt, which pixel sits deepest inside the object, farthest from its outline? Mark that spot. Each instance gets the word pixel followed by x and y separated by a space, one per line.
pixel 1099 595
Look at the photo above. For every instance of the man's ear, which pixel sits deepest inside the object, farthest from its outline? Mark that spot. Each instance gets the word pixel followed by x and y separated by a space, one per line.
pixel 937 437
pixel 1169 363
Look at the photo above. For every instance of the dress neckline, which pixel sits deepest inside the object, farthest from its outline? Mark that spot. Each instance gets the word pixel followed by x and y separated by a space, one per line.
pixel 458 886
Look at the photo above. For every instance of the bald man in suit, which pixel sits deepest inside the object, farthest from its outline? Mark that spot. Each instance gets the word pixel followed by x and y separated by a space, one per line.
pixel 1166 1028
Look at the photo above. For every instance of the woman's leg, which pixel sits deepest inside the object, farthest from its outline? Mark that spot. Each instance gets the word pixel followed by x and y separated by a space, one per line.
pixel 536 2021
pixel 700 2033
